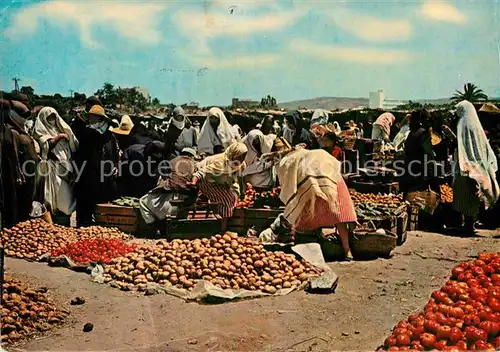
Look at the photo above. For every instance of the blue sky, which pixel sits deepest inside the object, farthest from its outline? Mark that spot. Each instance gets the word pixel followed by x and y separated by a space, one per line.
pixel 211 51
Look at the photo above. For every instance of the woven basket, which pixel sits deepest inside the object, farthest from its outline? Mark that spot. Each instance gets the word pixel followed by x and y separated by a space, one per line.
pixel 371 244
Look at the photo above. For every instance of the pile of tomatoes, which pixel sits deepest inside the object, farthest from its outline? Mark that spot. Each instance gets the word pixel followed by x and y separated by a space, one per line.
pixel 99 250
pixel 249 199
pixel 463 315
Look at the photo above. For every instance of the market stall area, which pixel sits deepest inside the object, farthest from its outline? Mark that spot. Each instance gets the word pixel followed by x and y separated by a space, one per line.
pixel 362 312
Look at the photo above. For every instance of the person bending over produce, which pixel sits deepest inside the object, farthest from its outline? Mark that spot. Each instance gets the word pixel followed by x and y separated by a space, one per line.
pixel 315 194
pixel 216 133
pixel 155 206
pixel 475 167
pixel 217 179
pixel 258 172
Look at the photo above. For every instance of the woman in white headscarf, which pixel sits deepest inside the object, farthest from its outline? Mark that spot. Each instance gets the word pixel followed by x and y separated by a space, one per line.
pixel 57 146
pixel 216 134
pixel 217 179
pixel 258 173
pixel 475 166
pixel 382 127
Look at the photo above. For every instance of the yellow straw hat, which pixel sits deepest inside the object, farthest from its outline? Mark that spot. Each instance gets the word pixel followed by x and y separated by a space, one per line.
pixel 98 110
pixel 125 127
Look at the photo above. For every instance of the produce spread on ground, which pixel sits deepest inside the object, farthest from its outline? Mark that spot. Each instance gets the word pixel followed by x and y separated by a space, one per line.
pixel 463 315
pixel 227 261
pixel 27 312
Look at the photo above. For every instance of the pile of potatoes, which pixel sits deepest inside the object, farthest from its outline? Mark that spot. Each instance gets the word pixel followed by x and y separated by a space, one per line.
pixel 26 312
pixel 33 238
pixel 227 261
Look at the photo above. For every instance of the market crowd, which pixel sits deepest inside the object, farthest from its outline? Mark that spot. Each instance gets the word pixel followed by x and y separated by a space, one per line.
pixel 74 166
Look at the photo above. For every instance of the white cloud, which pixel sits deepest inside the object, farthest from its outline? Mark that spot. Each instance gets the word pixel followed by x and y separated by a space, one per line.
pixel 132 20
pixel 236 24
pixel 442 11
pixel 350 54
pixel 370 28
pixel 235 62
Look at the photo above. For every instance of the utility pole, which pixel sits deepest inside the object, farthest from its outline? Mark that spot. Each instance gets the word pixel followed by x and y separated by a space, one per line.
pixel 71 93
pixel 16 84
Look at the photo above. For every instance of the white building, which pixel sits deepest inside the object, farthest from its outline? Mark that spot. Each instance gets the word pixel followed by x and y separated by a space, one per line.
pixel 379 101
pixel 144 92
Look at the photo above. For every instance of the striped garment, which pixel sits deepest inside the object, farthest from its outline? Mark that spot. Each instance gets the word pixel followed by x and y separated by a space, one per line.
pixel 219 194
pixel 317 212
pixel 465 196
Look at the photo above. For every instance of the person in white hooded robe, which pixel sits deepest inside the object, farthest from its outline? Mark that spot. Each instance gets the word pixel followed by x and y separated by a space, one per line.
pixel 216 134
pixel 57 145
pixel 258 172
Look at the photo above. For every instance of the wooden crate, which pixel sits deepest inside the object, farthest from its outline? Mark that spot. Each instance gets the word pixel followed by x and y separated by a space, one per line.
pixel 370 187
pixel 236 223
pixel 402 228
pixel 413 221
pixel 121 217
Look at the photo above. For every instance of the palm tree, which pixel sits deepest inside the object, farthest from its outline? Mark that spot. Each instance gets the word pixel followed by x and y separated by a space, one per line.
pixel 471 93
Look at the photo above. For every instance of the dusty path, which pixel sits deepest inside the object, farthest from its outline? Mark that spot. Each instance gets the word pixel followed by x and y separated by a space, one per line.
pixel 371 297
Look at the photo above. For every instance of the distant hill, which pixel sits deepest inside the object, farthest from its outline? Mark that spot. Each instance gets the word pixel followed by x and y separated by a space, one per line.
pixel 328 103
pixel 333 103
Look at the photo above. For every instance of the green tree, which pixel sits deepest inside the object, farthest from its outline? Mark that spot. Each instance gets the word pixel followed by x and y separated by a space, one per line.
pixel 29 91
pixel 268 102
pixel 470 93
pixel 156 101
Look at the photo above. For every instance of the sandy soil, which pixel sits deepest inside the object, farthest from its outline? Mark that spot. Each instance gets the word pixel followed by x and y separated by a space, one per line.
pixel 371 297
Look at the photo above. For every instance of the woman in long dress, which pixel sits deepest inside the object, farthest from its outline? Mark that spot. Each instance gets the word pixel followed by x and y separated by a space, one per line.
pixel 57 145
pixel 315 194
pixel 475 167
pixel 217 179
pixel 216 134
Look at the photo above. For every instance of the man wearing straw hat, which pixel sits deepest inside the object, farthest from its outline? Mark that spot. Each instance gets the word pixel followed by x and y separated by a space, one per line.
pixel 97 161
pixel 123 132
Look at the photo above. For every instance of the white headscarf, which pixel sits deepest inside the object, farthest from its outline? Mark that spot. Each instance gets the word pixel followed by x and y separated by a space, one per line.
pixel 320 117
pixel 179 124
pixel 43 131
pixel 208 138
pixel 337 129
pixel 475 155
pixel 252 155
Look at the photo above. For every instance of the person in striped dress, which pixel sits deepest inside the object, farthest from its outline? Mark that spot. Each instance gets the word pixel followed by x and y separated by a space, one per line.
pixel 315 194
pixel 475 167
pixel 217 179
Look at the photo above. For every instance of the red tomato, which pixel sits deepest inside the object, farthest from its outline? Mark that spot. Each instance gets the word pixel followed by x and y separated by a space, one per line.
pixel 400 331
pixel 494 304
pixel 490 327
pixel 495 277
pixel 416 332
pixel 497 342
pixel 390 341
pixel 403 340
pixel 480 346
pixel 461 345
pixel 474 334
pixel 393 348
pixel 443 332
pixel 455 335
pixel 417 346
pixel 428 340
pixel 431 326
pixel 440 345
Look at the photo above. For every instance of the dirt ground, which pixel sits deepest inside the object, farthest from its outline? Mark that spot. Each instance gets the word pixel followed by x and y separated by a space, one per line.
pixel 371 297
